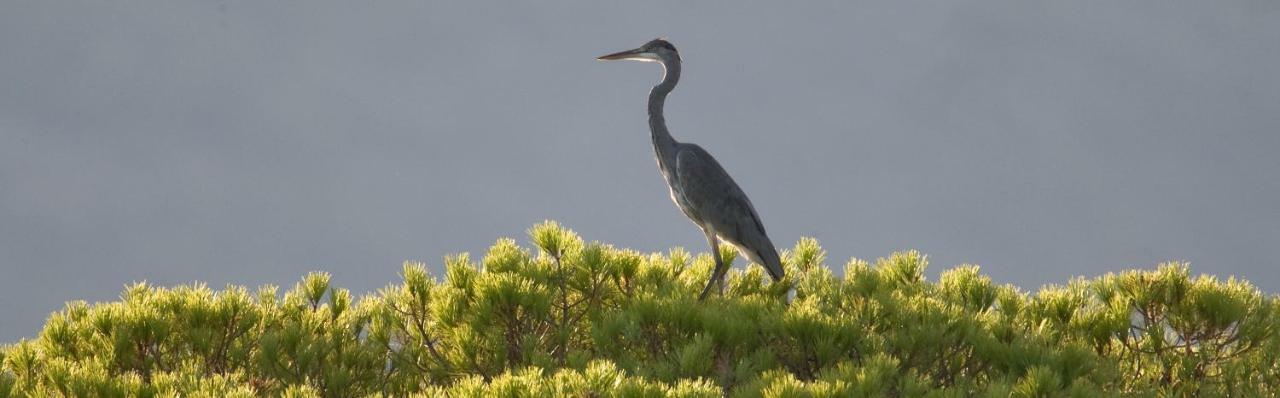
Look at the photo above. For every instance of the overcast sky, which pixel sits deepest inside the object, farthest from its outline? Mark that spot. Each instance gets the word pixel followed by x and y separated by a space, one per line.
pixel 249 142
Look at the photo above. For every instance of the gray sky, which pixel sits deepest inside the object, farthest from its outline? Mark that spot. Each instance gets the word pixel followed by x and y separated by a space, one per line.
pixel 250 142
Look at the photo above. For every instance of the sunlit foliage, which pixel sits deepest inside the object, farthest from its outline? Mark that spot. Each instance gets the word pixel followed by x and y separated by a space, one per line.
pixel 564 317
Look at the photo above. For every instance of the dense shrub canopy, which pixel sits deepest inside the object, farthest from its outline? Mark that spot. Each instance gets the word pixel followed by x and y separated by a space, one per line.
pixel 585 319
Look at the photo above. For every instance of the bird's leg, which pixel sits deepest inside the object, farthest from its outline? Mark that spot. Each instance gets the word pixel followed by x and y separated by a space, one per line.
pixel 724 272
pixel 717 274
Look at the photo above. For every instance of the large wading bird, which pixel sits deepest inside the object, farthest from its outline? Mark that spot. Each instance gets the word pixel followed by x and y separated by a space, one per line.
pixel 699 186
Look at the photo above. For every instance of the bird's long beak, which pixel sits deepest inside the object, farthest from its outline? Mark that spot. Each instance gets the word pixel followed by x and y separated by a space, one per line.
pixel 629 54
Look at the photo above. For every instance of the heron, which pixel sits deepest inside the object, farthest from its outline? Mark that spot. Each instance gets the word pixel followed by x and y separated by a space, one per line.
pixel 698 184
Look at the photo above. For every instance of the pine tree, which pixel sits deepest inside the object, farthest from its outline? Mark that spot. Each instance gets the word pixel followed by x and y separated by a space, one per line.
pixel 568 317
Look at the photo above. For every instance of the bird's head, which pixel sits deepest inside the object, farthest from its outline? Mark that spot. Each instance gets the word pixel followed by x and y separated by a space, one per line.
pixel 656 50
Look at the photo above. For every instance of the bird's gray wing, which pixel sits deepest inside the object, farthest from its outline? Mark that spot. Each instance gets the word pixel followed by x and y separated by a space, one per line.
pixel 715 197
pixel 718 201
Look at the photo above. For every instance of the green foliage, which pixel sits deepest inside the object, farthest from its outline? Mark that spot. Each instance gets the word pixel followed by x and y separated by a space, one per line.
pixel 568 317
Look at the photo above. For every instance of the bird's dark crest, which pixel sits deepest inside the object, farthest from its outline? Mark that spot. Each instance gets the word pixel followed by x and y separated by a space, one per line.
pixel 662 42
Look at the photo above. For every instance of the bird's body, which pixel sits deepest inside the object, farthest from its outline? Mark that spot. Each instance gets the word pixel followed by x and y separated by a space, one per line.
pixel 699 186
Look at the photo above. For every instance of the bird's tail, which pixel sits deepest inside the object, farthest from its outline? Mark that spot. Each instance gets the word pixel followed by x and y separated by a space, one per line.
pixel 767 256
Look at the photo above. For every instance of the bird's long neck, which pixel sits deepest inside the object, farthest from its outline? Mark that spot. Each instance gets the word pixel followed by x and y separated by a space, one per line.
pixel 663 144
